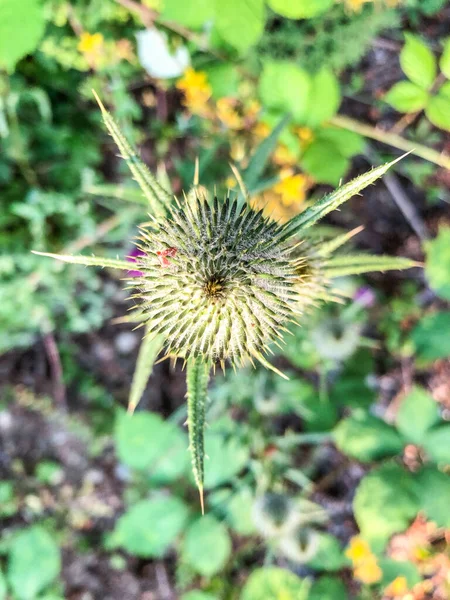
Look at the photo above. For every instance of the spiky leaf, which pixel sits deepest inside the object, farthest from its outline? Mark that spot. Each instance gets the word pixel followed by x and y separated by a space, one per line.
pixel 341 266
pixel 89 261
pixel 148 352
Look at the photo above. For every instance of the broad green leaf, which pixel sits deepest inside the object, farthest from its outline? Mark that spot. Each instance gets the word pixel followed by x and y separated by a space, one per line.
pixel 240 22
pixel 227 455
pixel 385 503
pixel 444 90
pixel 367 438
pixel 417 413
pixel 193 14
pixel 407 97
pixel 145 442
pixel 332 201
pixel 328 588
pixel 285 87
pixel 89 261
pixel 329 555
pixel 149 527
pixel 197 384
pixel 437 444
pixel 148 351
pixel 431 337
pixel 434 491
pixel 223 79
pixel 324 98
pixel 346 142
pixel 34 562
pixel 445 59
pixel 437 266
pixel 299 9
pixel 274 582
pixel 207 546
pixel 418 62
pixel 340 266
pixel 396 568
pixel 438 111
pixel 351 388
pixel 324 163
pixel 22 25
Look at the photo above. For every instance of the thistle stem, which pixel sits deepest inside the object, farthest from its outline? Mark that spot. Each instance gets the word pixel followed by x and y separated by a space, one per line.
pixel 392 139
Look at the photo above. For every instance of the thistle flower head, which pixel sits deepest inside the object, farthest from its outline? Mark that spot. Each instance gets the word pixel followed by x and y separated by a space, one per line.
pixel 218 282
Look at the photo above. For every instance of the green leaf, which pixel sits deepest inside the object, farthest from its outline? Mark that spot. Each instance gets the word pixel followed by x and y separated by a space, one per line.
pixel 322 161
pixel 156 195
pixel 193 14
pixel 34 562
pixel 145 442
pixel 89 261
pixel 328 588
pixel 438 111
pixel 437 266
pixel 340 266
pixel 417 413
pixel 347 143
pixel 430 336
pixel 332 201
pixel 223 79
pixel 437 444
pixel 324 97
pixel 148 351
pixel 385 503
pixel 207 546
pixel 285 87
pixel 149 527
pixel 197 384
pixel 227 454
pixel 407 97
pixel 418 62
pixel 299 9
pixel 329 555
pixel 258 160
pixel 274 582
pixel 445 59
pixel 240 22
pixel 434 491
pixel 367 438
pixel 444 90
pixel 22 25
pixel 396 568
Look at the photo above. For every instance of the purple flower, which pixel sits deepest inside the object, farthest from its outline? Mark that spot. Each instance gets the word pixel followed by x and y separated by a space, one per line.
pixel 365 297
pixel 132 257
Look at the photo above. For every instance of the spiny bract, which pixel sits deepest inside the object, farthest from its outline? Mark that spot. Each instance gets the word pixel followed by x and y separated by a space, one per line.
pixel 219 282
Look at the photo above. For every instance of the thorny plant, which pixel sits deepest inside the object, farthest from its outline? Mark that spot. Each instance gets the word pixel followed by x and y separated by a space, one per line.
pixel 219 282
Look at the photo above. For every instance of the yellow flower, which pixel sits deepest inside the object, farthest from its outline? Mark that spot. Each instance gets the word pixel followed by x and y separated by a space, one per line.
pixel 305 134
pixel 283 156
pixel 196 88
pixel 261 130
pixel 252 110
pixel 398 587
pixel 365 566
pixel 368 571
pixel 238 150
pixel 292 188
pixel 91 44
pixel 227 113
pixel 358 550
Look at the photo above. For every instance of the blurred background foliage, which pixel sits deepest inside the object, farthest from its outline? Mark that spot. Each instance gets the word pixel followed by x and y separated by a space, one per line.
pixel 331 485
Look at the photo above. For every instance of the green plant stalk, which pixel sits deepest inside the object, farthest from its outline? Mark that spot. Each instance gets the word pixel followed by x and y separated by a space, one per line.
pixel 392 139
pixel 197 384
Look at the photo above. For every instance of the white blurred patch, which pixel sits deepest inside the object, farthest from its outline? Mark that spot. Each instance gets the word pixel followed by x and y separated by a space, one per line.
pixel 156 57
